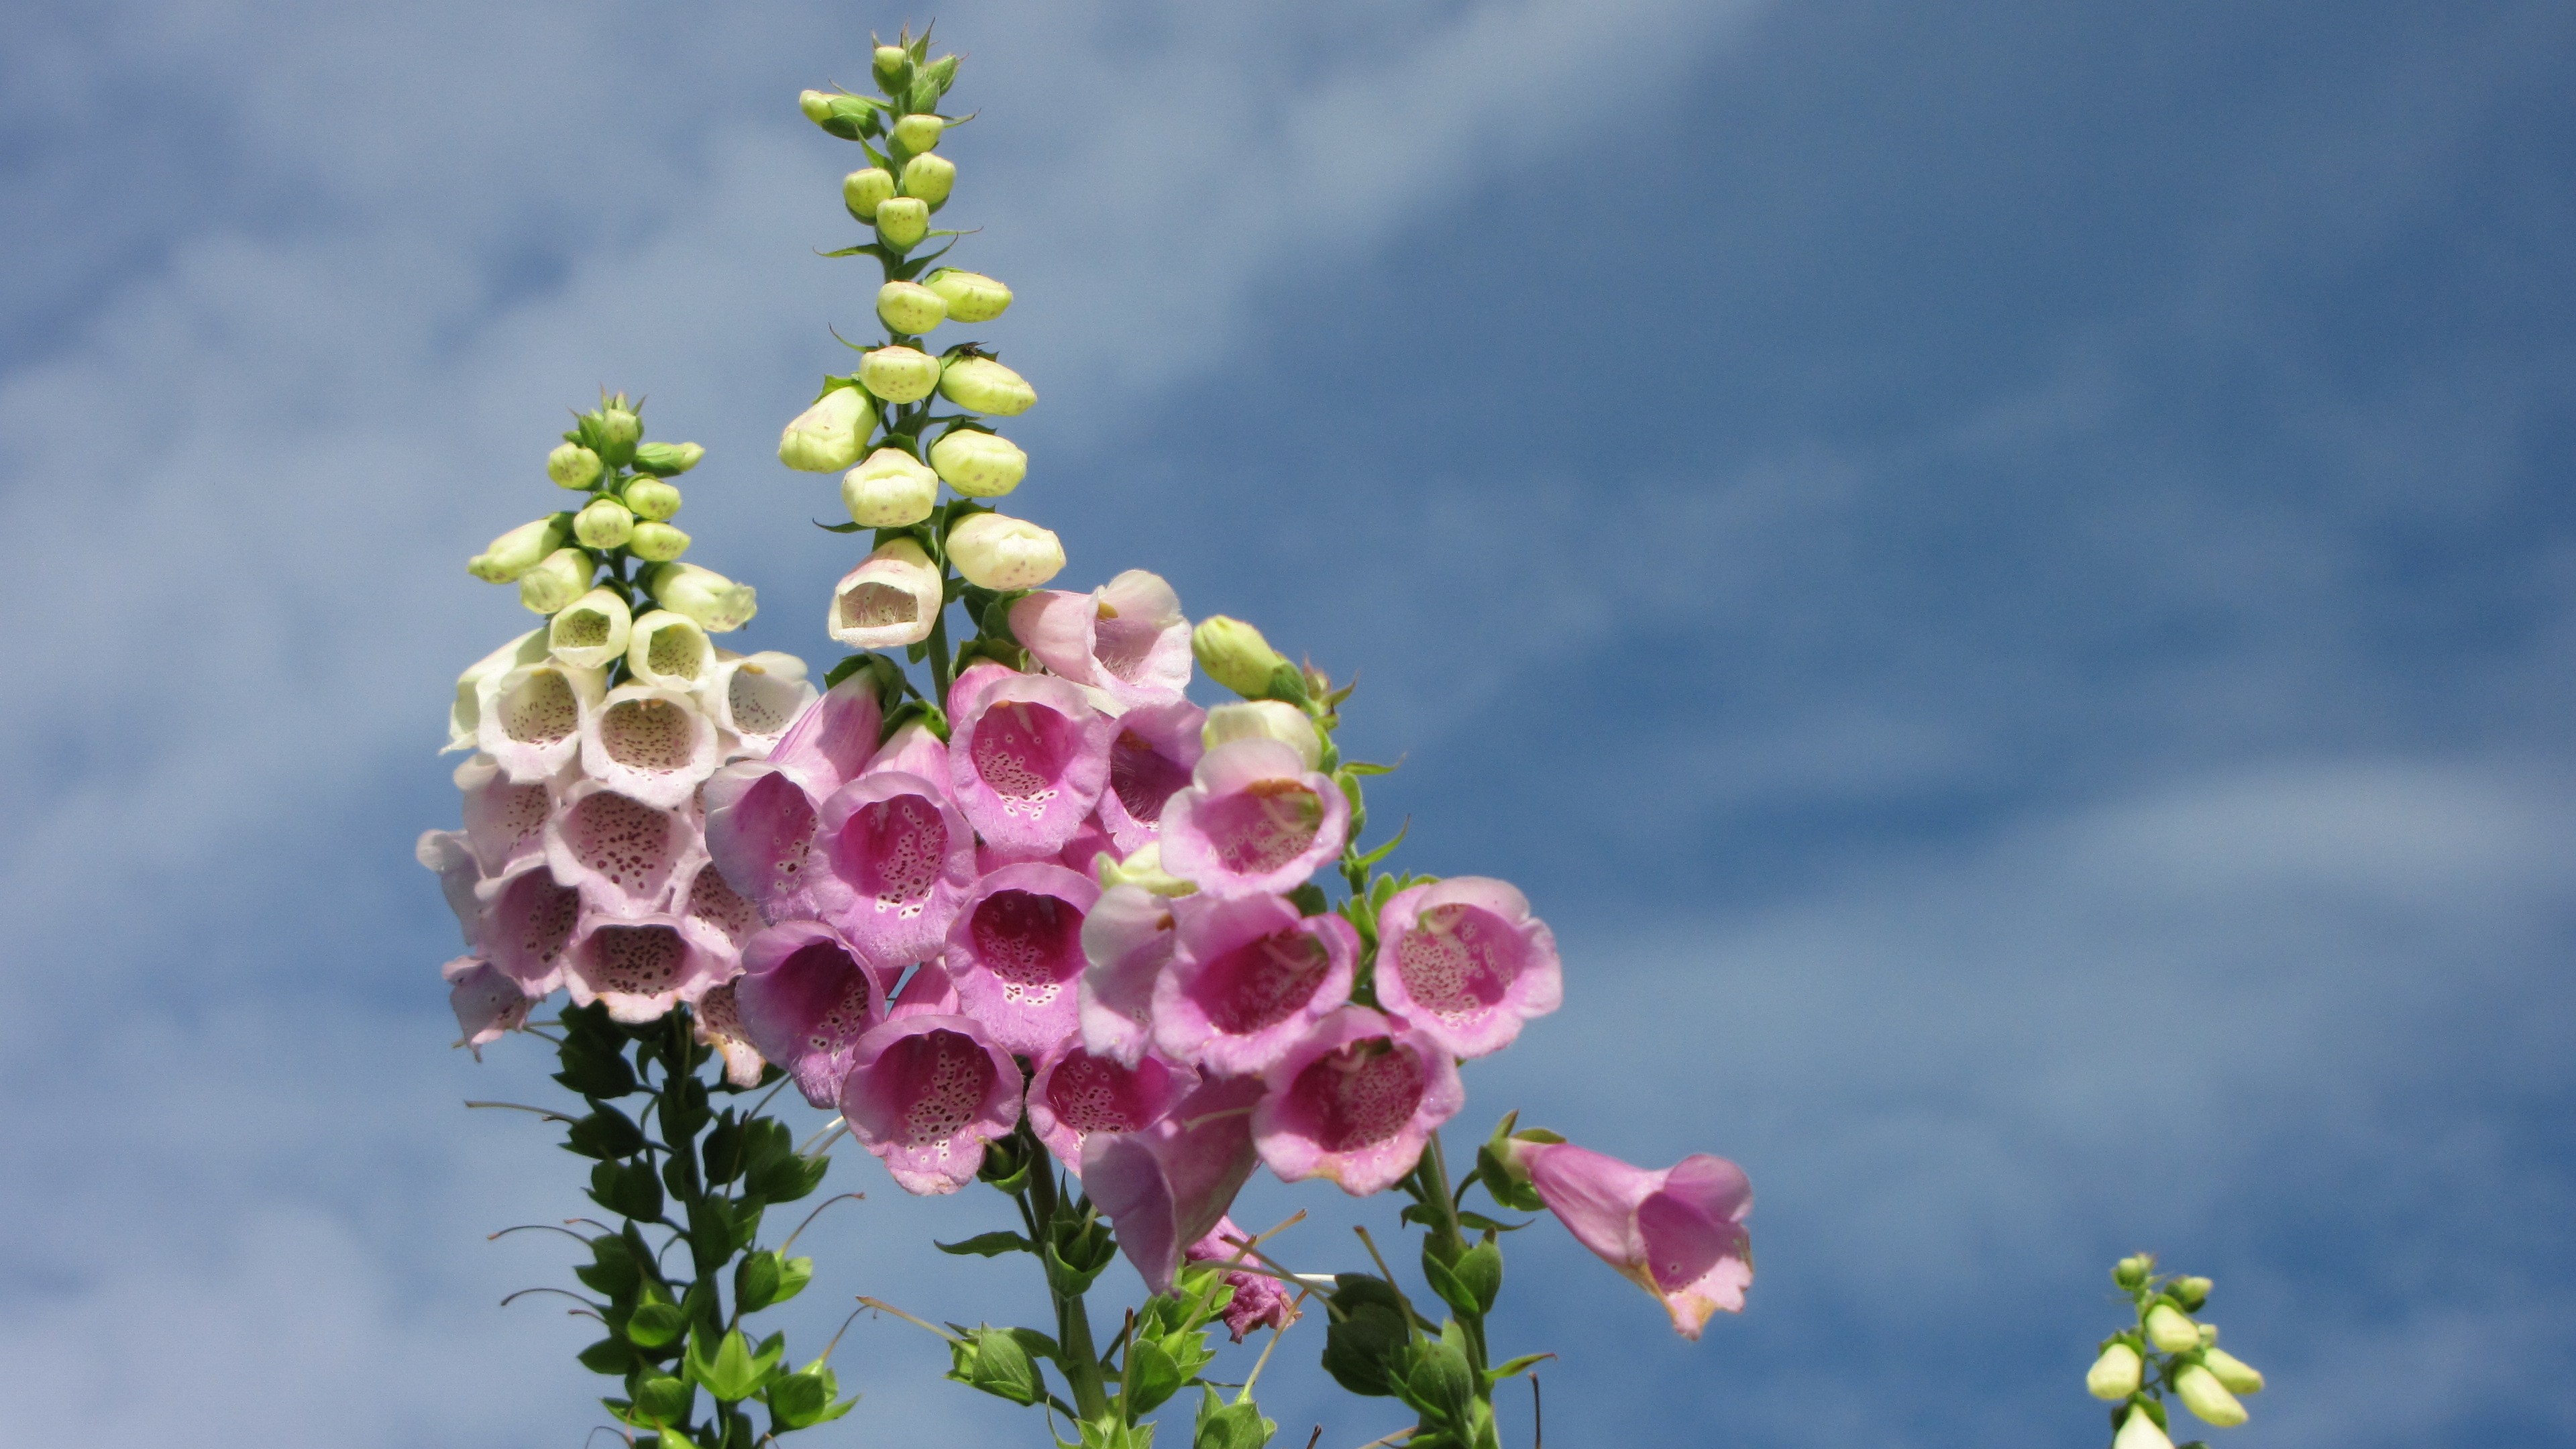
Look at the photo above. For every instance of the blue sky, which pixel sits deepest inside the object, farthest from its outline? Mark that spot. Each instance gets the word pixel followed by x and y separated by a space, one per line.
pixel 2002 572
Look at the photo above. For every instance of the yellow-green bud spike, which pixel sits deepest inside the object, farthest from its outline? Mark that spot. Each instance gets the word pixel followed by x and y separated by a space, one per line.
pixel 718 604
pixel 657 542
pixel 971 296
pixel 828 436
pixel 521 549
pixel 918 133
pixel 994 552
pixel 909 308
pixel 2170 1331
pixel 603 523
pixel 2239 1376
pixel 2114 1376
pixel 590 632
pixel 903 222
pixel 562 578
pixel 930 178
pixel 572 466
pixel 865 190
pixel 667 460
pixel 899 374
pixel 890 490
pixel 2204 1395
pixel 1235 655
pixel 979 465
pixel 619 430
pixel 981 385
pixel 652 498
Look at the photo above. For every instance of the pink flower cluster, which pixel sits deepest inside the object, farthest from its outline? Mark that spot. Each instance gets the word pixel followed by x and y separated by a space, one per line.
pixel 583 861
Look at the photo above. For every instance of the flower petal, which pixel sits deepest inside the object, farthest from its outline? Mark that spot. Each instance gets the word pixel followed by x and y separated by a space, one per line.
pixel 1465 961
pixel 1015 953
pixel 805 998
pixel 925 1093
pixel 1075 1093
pixel 1355 1101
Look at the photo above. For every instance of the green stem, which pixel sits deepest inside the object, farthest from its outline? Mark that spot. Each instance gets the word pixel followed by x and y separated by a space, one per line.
pixel 1452 1242
pixel 1081 1361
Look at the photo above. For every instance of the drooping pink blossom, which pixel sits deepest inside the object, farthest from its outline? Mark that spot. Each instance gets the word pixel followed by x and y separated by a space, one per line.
pixel 1678 1233
pixel 805 998
pixel 1075 1094
pixel 925 1092
pixel 1169 1185
pixel 760 833
pixel 1126 638
pixel 622 854
pixel 1250 977
pixel 1254 819
pixel 1015 953
pixel 1465 961
pixel 1127 941
pixel 526 922
pixel 486 1001
pixel 900 861
pixel 1260 1301
pixel 1027 760
pixel 651 743
pixel 717 1023
pixel 505 820
pixel 640 968
pixel 830 742
pixel 1354 1101
pixel 1150 759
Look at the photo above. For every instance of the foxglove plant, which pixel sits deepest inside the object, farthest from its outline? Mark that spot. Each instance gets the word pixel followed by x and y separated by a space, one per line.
pixel 2166 1351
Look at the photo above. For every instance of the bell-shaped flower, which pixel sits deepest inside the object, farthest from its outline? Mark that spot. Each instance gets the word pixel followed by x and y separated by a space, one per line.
pixel 1354 1101
pixel 889 601
pixel 1128 938
pixel 1075 1094
pixel 505 821
pixel 526 922
pixel 901 861
pixel 531 718
pixel 650 743
pixel 1169 1185
pixel 755 697
pixel 1126 638
pixel 1250 978
pixel 1254 819
pixel 994 552
pixel 1265 719
pixel 622 854
pixel 715 915
pixel 1260 1300
pixel 760 836
pixel 806 998
pixel 1150 759
pixel 465 715
pixel 892 489
pixel 486 1002
pixel 1465 961
pixel 833 740
pixel 592 631
pixel 639 968
pixel 1677 1233
pixel 670 650
pixel 925 1092
pixel 1015 953
pixel 827 437
pixel 1027 760
pixel 716 1023
pixel 450 854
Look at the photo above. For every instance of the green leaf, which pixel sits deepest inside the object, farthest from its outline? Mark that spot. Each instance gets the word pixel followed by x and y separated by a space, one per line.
pixel 732 1372
pixel 605 1133
pixel 608 1356
pixel 1151 1377
pixel 1513 1368
pixel 1363 767
pixel 594 1068
pixel 612 1268
pixel 755 1282
pixel 805 1398
pixel 1445 1281
pixel 1484 1224
pixel 987 1245
pixel 787 1178
pixel 991 1359
pixel 1367 1337
pixel 655 1324
pixel 662 1400
pixel 1230 1426
pixel 629 1190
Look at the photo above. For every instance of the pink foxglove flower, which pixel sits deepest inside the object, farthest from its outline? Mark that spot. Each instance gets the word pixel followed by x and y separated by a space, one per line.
pixel 622 854
pixel 459 875
pixel 641 968
pixel 487 1002
pixel 1465 961
pixel 717 919
pixel 925 1093
pixel 505 821
pixel 912 750
pixel 651 744
pixel 1678 1234
pixel 1169 1185
pixel 760 833
pixel 1355 1101
pixel 1027 760
pixel 755 697
pixel 1015 953
pixel 1126 638
pixel 1250 978
pixel 531 718
pixel 1260 1301
pixel 1127 942
pixel 527 922
pixel 901 861
pixel 1253 819
pixel 718 1024
pixel 831 742
pixel 805 998
pixel 1075 1094
pixel 1150 759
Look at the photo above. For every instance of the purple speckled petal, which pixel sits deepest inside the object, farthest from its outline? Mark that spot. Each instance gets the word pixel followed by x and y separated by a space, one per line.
pixel 1355 1101
pixel 902 861
pixel 1150 759
pixel 640 968
pixel 760 833
pixel 831 741
pixel 1250 978
pixel 1127 942
pixel 1465 961
pixel 1015 953
pixel 1254 819
pixel 925 1094
pixel 1075 1094
pixel 1169 1185
pixel 805 998
pixel 1027 760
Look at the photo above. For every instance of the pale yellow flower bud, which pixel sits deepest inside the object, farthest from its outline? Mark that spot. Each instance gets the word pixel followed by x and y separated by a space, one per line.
pixel 919 132
pixel 562 578
pixel 864 190
pixel 827 437
pixel 972 296
pixel 890 490
pixel 995 552
pixel 572 466
pixel 667 460
pixel 2170 1331
pixel 1267 719
pixel 899 374
pixel 619 431
pixel 2238 1375
pixel 2140 1432
pixel 718 604
pixel 603 523
pixel 910 308
pixel 2203 1394
pixel 2116 1374
pixel 979 465
pixel 981 385
pixel 592 631
pixel 930 178
pixel 903 222
pixel 657 542
pixel 653 499
pixel 521 549
pixel 1143 870
pixel 1235 655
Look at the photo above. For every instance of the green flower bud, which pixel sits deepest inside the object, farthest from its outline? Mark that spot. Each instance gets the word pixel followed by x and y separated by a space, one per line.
pixel 718 604
pixel 1267 719
pixel 2238 1375
pixel 893 67
pixel 603 523
pixel 1235 655
pixel 2191 1293
pixel 652 498
pixel 521 549
pixel 2116 1374
pixel 995 552
pixel 971 296
pixel 918 132
pixel 930 178
pixel 981 385
pixel 817 105
pixel 2170 1331
pixel 591 632
pixel 827 437
pixel 667 460
pixel 890 490
pixel 979 465
pixel 619 430
pixel 657 542
pixel 866 190
pixel 899 374
pixel 2133 1271
pixel 572 466
pixel 1144 869
pixel 939 75
pixel 562 578
pixel 910 308
pixel 846 116
pixel 2140 1431
pixel 2203 1394
pixel 903 222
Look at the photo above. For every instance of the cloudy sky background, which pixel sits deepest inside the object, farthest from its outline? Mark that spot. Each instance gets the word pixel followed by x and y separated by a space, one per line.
pixel 2002 572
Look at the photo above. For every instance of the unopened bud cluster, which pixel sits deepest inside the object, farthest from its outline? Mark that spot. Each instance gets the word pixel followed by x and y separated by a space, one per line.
pixel 2166 1352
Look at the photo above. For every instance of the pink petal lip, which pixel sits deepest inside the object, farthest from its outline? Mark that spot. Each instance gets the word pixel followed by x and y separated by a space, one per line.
pixel 526 923
pixel 902 860
pixel 1027 761
pixel 1678 1233
pixel 925 1092
pixel 1075 1093
pixel 1150 760
pixel 1253 820
pixel 1354 1101
pixel 486 1001
pixel 1250 977
pixel 649 742
pixel 1015 953
pixel 640 968
pixel 1126 639
pixel 1465 961
pixel 805 998
pixel 1168 1186
pixel 505 821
